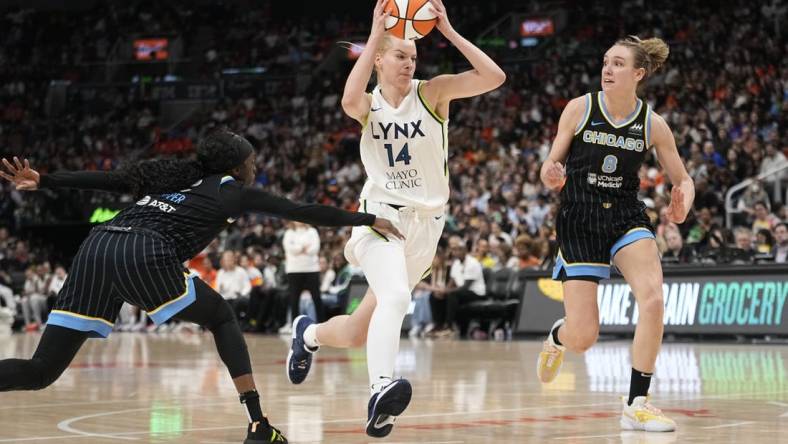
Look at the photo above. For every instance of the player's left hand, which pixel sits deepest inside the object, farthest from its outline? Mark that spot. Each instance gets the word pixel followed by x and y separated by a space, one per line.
pixel 20 174
pixel 677 213
pixel 439 9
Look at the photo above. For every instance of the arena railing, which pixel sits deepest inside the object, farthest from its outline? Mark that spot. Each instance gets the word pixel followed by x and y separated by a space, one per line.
pixel 730 209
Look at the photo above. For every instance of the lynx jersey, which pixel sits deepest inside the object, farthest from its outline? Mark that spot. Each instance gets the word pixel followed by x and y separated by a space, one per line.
pixel 404 151
pixel 605 156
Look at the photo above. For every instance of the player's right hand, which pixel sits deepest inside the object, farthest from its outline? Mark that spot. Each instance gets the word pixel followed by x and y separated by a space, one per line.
pixel 379 17
pixel 554 175
pixel 20 174
pixel 386 228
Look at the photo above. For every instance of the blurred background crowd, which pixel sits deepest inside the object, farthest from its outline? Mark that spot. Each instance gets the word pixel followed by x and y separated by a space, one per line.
pixel 71 99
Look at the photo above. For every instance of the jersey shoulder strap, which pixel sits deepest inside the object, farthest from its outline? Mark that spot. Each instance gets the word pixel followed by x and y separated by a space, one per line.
pixel 589 106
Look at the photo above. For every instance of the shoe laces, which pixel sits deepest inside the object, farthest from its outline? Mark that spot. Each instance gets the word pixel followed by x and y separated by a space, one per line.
pixel 266 423
pixel 551 351
pixel 300 364
pixel 651 409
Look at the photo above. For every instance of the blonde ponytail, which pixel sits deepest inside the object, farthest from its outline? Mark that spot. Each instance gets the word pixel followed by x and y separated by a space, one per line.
pixel 657 51
pixel 650 54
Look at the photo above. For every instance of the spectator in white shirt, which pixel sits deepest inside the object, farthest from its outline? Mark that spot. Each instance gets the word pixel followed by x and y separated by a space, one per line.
pixel 328 275
pixel 468 279
pixel 232 282
pixel 34 300
pixel 57 281
pixel 302 264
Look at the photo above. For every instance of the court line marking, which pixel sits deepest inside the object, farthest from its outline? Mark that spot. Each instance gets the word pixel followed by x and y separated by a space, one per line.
pixel 587 436
pixel 733 424
pixel 780 404
pixel 114 435
pixel 65 425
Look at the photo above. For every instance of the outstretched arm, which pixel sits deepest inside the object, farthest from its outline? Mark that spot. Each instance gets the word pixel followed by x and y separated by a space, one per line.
pixel 27 179
pixel 244 199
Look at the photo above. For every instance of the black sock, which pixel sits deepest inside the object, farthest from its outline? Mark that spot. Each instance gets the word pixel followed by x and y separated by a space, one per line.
pixel 554 333
pixel 638 385
pixel 251 401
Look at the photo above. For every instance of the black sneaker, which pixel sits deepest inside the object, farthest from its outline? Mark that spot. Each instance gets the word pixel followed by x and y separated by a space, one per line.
pixel 386 405
pixel 299 359
pixel 263 433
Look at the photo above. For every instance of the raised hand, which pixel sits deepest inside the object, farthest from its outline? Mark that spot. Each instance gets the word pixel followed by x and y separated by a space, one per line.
pixel 20 174
pixel 439 9
pixel 379 16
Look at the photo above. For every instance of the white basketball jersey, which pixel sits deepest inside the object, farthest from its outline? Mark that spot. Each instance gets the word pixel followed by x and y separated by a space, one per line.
pixel 405 153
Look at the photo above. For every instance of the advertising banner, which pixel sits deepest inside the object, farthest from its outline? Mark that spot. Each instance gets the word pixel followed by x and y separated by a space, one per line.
pixel 733 303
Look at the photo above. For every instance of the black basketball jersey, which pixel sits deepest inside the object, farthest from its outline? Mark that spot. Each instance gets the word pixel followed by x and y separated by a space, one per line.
pixel 190 219
pixel 605 158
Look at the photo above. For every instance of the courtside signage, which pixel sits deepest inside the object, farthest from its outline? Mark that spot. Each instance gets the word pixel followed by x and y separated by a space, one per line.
pixel 754 304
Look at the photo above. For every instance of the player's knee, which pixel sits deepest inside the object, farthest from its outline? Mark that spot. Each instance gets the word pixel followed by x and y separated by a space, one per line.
pixel 585 340
pixel 358 338
pixel 395 302
pixel 42 375
pixel 224 314
pixel 652 304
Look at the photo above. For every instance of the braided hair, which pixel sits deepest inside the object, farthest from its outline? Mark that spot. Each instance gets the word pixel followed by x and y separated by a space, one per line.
pixel 217 153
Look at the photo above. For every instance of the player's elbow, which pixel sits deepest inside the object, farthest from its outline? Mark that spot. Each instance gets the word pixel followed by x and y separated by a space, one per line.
pixel 350 105
pixel 498 77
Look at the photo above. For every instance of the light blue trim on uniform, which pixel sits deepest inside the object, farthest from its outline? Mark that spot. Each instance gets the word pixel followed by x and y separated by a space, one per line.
pixel 580 269
pixel 164 312
pixel 627 120
pixel 586 115
pixel 226 179
pixel 97 328
pixel 632 235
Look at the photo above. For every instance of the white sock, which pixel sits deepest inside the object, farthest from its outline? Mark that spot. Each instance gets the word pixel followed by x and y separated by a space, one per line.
pixel 310 336
pixel 386 271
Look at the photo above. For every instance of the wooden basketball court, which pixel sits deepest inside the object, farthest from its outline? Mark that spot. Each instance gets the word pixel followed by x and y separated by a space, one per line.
pixel 173 388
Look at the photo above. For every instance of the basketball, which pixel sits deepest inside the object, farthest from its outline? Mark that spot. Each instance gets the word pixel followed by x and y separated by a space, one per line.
pixel 409 19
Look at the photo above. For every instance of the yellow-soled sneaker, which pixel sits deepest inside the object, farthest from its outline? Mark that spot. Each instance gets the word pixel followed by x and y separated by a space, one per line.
pixel 551 357
pixel 641 415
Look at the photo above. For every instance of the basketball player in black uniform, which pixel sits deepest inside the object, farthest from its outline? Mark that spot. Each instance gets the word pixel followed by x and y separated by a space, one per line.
pixel 604 138
pixel 137 257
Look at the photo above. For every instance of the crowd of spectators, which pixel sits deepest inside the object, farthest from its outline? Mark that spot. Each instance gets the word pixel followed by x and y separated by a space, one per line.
pixel 723 91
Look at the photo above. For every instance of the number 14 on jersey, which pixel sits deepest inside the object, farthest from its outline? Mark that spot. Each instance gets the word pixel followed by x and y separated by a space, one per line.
pixel 402 156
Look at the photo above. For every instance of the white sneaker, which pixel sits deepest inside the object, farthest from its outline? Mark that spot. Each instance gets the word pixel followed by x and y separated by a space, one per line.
pixel 286 330
pixel 641 415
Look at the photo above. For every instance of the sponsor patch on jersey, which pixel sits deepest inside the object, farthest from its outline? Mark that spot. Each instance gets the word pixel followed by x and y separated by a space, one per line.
pixel 604 181
pixel 148 201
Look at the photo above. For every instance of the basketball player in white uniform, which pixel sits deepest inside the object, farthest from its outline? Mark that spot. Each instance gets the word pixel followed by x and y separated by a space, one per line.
pixel 404 152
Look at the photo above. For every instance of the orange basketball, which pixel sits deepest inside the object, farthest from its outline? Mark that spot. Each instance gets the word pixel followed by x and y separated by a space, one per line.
pixel 409 19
